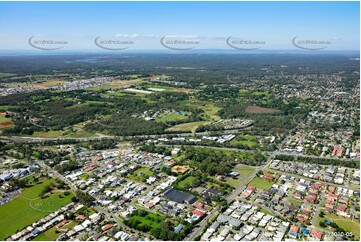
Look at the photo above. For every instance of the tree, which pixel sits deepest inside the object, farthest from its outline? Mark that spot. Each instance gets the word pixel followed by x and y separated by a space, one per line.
pixel 84 198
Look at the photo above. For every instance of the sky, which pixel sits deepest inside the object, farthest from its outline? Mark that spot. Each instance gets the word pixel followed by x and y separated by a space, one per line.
pixel 203 25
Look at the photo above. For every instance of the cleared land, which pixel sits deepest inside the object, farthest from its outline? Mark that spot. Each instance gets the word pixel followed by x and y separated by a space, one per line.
pixel 19 213
pixel 141 173
pixel 180 169
pixel 344 223
pixel 4 121
pixel 256 109
pixel 186 182
pixel 261 184
pixel 192 126
pixel 245 140
pixel 171 117
pixel 245 172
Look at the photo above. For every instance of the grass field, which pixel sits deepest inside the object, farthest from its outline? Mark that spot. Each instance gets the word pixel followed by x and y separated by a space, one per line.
pixel 61 133
pixel 52 82
pixel 51 235
pixel 245 140
pixel 138 174
pixel 294 201
pixel 265 211
pixel 4 108
pixel 151 219
pixel 261 184
pixel 209 108
pixel 2 74
pixel 189 180
pixel 344 223
pixel 4 121
pixel 171 117
pixel 18 213
pixel 245 171
pixel 192 126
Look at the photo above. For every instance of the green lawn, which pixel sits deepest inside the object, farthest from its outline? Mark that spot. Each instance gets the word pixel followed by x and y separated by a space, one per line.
pixel 344 223
pixel 171 117
pixel 245 171
pixel 192 126
pixel 261 184
pixel 150 219
pixel 18 214
pixel 294 201
pixel 265 211
pixel 4 119
pixel 188 180
pixel 49 235
pixel 140 174
pixel 61 133
pixel 245 140
pixel 209 108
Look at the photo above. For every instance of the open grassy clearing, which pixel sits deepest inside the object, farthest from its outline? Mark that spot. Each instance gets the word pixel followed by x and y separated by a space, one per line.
pixel 295 202
pixel 3 74
pixel 4 121
pixel 24 209
pixel 209 108
pixel 261 184
pixel 117 84
pixel 192 126
pixel 64 134
pixel 344 223
pixel 140 174
pixel 151 220
pixel 49 235
pixel 245 140
pixel 171 117
pixel 245 172
pixel 186 182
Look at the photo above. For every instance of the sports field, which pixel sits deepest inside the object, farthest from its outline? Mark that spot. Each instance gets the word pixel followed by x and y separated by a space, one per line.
pixel 27 208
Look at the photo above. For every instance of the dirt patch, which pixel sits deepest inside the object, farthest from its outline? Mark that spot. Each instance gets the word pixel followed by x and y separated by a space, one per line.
pixel 6 124
pixel 256 109
pixel 180 169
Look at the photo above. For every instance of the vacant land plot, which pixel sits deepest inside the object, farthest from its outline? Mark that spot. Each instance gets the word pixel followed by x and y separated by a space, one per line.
pixel 180 169
pixel 171 117
pixel 256 109
pixel 245 140
pixel 51 234
pixel 146 219
pixel 140 174
pixel 4 121
pixel 261 184
pixel 344 223
pixel 209 108
pixel 192 126
pixel 186 183
pixel 27 208
pixel 244 171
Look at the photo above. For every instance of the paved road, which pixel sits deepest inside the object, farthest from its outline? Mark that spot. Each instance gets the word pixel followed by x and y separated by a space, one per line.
pixel 108 215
